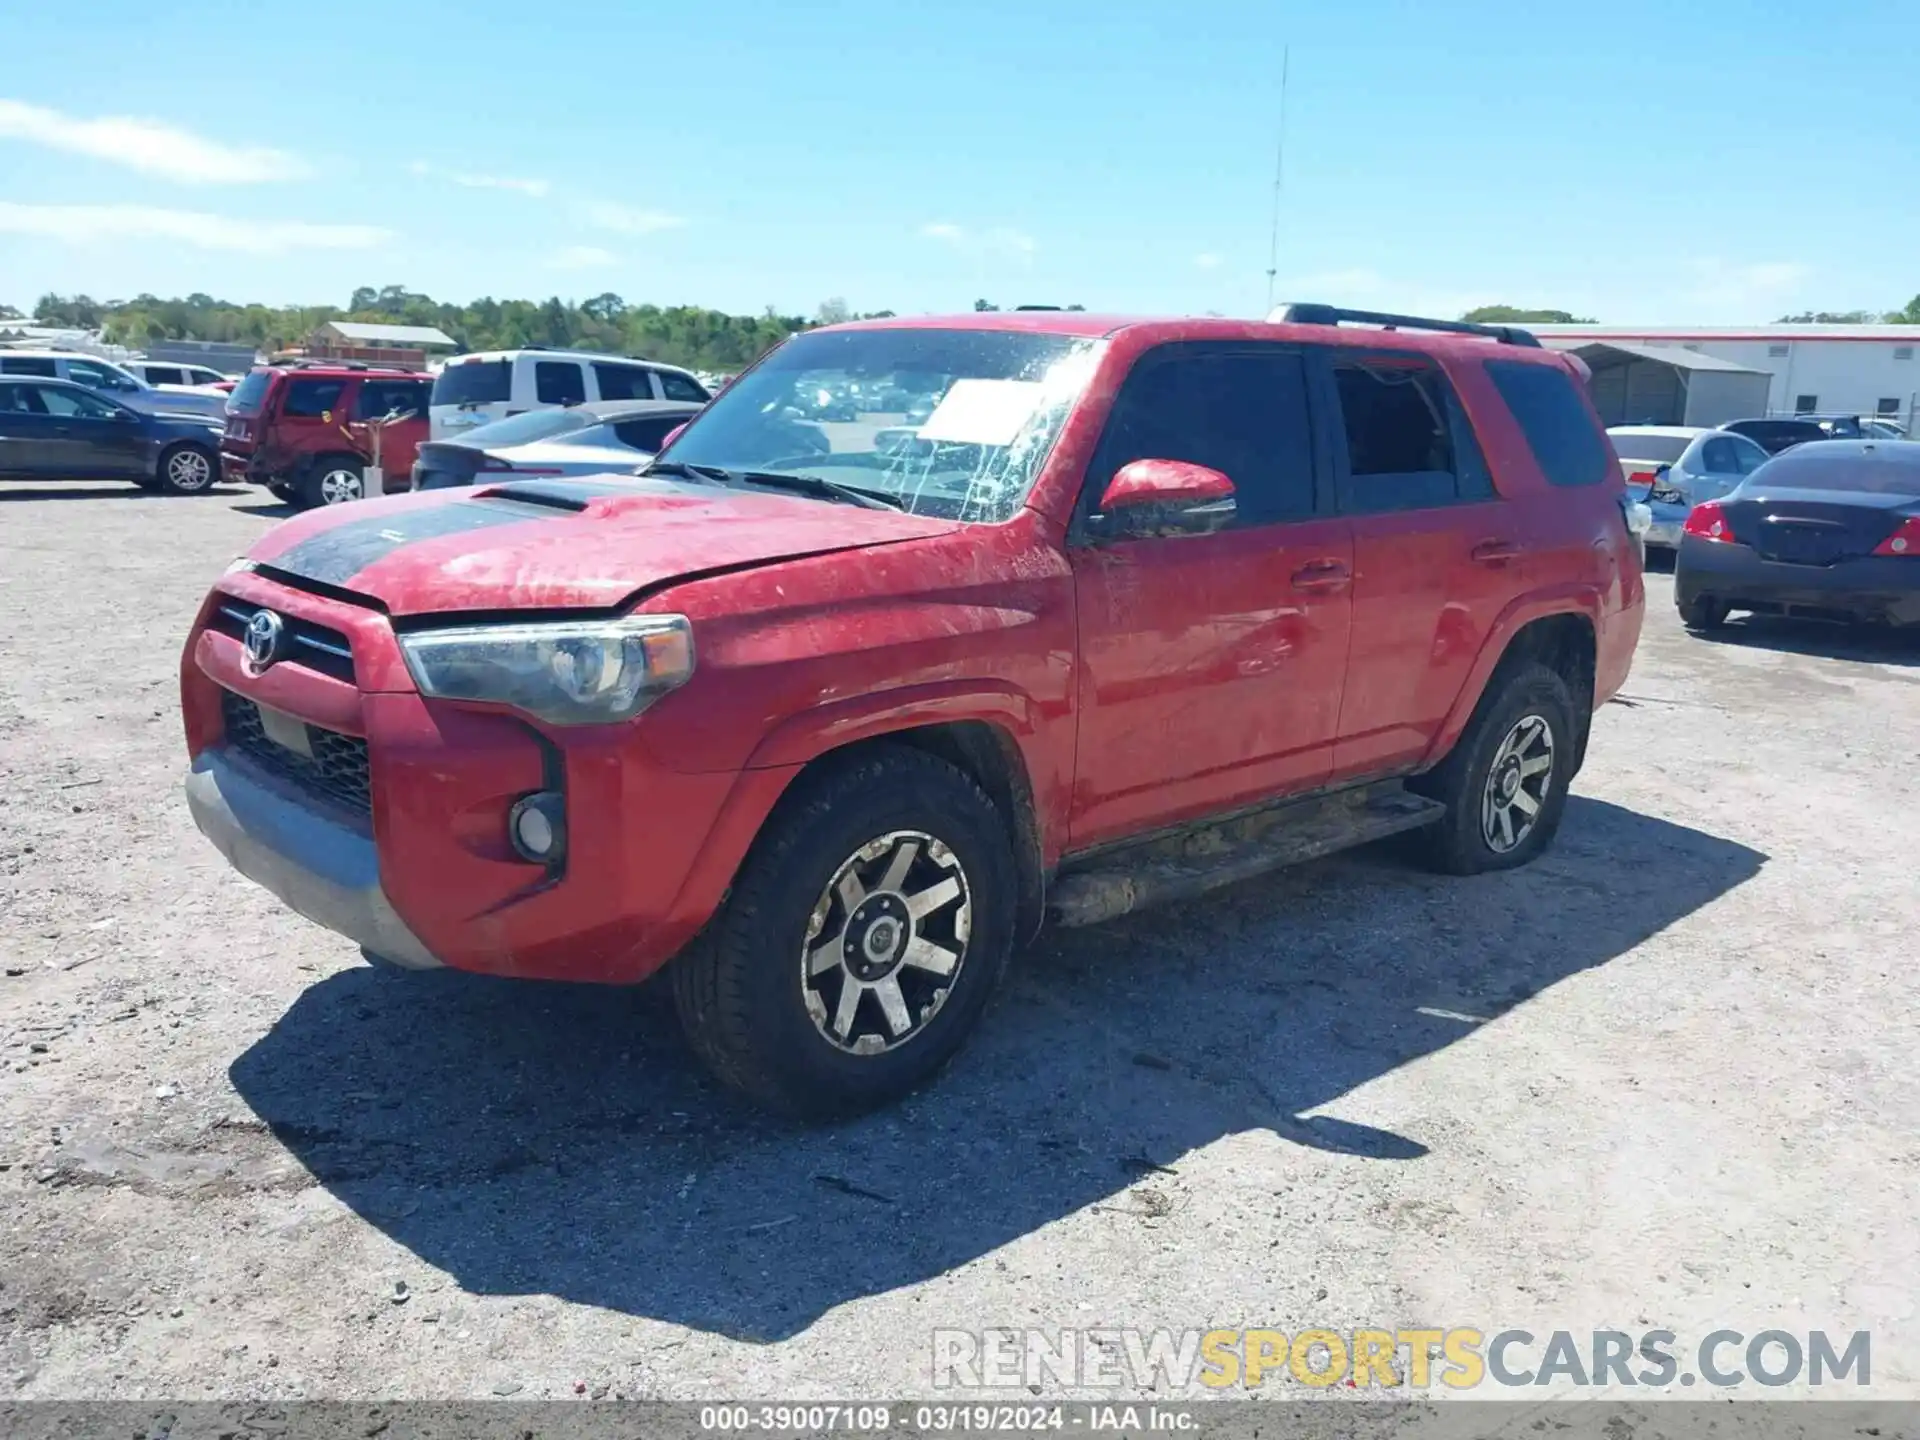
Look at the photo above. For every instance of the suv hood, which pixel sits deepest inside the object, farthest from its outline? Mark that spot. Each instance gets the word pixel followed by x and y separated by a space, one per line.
pixel 562 544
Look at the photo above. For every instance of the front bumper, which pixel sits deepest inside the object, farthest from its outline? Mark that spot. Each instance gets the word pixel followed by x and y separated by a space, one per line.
pixel 1883 589
pixel 324 868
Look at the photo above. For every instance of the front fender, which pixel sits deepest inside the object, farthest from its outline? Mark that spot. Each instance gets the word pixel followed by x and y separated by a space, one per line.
pixel 812 733
pixel 1567 599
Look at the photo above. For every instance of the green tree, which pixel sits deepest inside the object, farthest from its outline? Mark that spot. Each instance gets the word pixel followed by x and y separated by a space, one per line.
pixel 1519 315
pixel 982 306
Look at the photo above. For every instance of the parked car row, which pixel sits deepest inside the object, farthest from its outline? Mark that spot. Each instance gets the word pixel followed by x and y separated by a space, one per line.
pixel 114 381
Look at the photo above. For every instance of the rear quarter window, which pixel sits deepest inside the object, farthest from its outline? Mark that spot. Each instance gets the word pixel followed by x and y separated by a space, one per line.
pixel 676 386
pixel 250 393
pixel 310 398
pixel 559 382
pixel 1566 443
pixel 474 382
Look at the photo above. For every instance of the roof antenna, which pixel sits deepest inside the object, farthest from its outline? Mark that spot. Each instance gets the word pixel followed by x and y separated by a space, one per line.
pixel 1279 175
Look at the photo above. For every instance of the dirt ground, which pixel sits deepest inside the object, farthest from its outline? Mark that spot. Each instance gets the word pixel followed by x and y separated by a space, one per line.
pixel 1661 1078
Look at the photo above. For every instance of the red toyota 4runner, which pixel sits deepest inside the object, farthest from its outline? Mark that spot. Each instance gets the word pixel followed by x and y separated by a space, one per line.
pixel 307 431
pixel 825 718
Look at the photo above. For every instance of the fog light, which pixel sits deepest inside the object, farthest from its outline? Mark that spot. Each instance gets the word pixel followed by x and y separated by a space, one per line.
pixel 537 826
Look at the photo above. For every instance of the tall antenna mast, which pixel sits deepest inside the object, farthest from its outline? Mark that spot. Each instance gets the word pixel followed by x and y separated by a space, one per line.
pixel 1279 177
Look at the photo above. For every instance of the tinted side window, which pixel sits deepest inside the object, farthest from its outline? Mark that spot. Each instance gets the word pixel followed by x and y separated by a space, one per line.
pixel 1718 458
pixel 1241 411
pixel 380 398
pixel 28 365
pixel 18 399
pixel 310 399
pixel 1399 420
pixel 99 377
pixel 75 404
pixel 163 375
pixel 622 382
pixel 559 382
pixel 675 386
pixel 648 435
pixel 1568 447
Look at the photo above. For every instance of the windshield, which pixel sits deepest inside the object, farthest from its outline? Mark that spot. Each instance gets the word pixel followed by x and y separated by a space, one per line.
pixel 1657 449
pixel 473 382
pixel 250 393
pixel 522 429
pixel 969 417
pixel 1878 469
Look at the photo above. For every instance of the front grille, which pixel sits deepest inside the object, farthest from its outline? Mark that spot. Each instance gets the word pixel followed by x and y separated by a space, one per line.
pixel 336 770
pixel 318 647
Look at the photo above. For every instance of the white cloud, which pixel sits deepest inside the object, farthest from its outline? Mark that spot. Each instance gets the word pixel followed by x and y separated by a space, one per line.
pixel 627 220
pixel 1001 242
pixel 1207 261
pixel 151 146
pixel 582 257
pixel 97 224
pixel 537 189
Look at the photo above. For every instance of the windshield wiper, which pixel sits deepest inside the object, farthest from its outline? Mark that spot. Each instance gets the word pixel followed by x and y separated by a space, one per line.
pixel 824 488
pixel 712 474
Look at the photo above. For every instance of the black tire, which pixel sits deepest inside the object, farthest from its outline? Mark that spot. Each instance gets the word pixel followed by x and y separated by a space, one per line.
pixel 742 990
pixel 1704 613
pixel 332 480
pixel 1468 841
pixel 187 469
pixel 285 494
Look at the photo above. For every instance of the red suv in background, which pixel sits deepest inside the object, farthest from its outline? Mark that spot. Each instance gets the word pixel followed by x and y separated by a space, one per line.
pixel 308 432
pixel 824 719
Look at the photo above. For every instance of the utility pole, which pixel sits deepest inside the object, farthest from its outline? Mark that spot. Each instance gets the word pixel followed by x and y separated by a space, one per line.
pixel 1279 178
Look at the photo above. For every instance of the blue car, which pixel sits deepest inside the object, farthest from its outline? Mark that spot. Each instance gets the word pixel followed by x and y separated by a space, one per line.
pixel 57 430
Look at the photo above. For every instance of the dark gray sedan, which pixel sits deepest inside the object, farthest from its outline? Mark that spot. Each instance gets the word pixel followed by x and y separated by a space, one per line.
pixel 1825 531
pixel 59 430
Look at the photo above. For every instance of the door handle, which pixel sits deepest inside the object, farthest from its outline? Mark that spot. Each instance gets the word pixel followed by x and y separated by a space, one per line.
pixel 1495 552
pixel 1322 577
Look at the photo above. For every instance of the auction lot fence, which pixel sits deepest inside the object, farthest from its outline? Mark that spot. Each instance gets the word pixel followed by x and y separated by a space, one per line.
pixel 1311 1420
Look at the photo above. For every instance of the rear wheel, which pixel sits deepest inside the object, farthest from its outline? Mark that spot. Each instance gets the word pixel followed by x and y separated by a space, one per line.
pixel 1705 613
pixel 861 942
pixel 333 480
pixel 187 470
pixel 284 493
pixel 1505 782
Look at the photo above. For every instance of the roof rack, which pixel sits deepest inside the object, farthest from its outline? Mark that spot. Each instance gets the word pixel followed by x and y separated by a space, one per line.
pixel 1313 314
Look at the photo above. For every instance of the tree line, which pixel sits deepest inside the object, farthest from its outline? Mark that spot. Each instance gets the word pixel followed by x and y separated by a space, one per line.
pixel 1517 315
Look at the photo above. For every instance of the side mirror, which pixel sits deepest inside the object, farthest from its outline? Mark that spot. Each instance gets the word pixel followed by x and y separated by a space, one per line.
pixel 1163 497
pixel 671 436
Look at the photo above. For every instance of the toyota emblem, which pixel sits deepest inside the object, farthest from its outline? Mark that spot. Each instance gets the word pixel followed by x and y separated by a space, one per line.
pixel 265 635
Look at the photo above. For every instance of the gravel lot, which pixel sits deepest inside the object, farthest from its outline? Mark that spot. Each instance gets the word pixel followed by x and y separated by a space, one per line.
pixel 1661 1078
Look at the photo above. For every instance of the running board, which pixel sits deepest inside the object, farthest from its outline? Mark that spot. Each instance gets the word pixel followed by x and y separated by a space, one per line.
pixel 1197 861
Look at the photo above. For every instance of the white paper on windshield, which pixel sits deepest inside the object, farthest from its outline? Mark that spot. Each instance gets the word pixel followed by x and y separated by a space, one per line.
pixel 983 412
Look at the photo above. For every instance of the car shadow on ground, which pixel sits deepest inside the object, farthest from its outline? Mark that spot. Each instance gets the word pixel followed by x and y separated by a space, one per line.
pixel 1868 644
pixel 559 1140
pixel 104 490
pixel 272 509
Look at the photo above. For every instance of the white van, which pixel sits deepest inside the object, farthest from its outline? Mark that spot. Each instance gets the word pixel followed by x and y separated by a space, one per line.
pixel 112 381
pixel 161 373
pixel 490 385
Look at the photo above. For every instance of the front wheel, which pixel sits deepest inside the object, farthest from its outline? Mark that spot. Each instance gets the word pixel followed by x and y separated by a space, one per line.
pixel 333 480
pixel 285 494
pixel 1705 613
pixel 862 940
pixel 1505 782
pixel 187 470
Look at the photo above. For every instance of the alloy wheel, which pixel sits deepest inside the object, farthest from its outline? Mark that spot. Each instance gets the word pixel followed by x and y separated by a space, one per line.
pixel 1517 784
pixel 189 470
pixel 885 942
pixel 340 485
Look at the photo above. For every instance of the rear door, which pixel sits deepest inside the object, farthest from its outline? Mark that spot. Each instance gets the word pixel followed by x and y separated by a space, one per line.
pixel 306 418
pixel 1210 665
pixel 1714 469
pixel 1437 554
pixel 397 409
pixel 28 445
pixel 615 381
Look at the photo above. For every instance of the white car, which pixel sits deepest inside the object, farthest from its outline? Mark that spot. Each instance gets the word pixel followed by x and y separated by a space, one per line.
pixel 1672 468
pixel 589 439
pixel 113 381
pixel 165 374
pixel 474 390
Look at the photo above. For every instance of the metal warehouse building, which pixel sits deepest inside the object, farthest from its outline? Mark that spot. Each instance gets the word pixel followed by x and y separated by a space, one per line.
pixel 1823 369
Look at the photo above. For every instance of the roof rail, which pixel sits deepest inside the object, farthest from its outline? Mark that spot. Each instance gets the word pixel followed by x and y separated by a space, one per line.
pixel 1036 307
pixel 1314 314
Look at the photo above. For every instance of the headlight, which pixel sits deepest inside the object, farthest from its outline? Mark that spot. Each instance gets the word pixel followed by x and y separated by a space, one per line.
pixel 588 672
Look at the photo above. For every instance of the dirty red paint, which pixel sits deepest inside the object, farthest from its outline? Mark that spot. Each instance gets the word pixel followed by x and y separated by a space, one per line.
pixel 1140 684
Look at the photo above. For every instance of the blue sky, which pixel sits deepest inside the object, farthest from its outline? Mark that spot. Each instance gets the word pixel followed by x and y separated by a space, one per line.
pixel 1639 162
